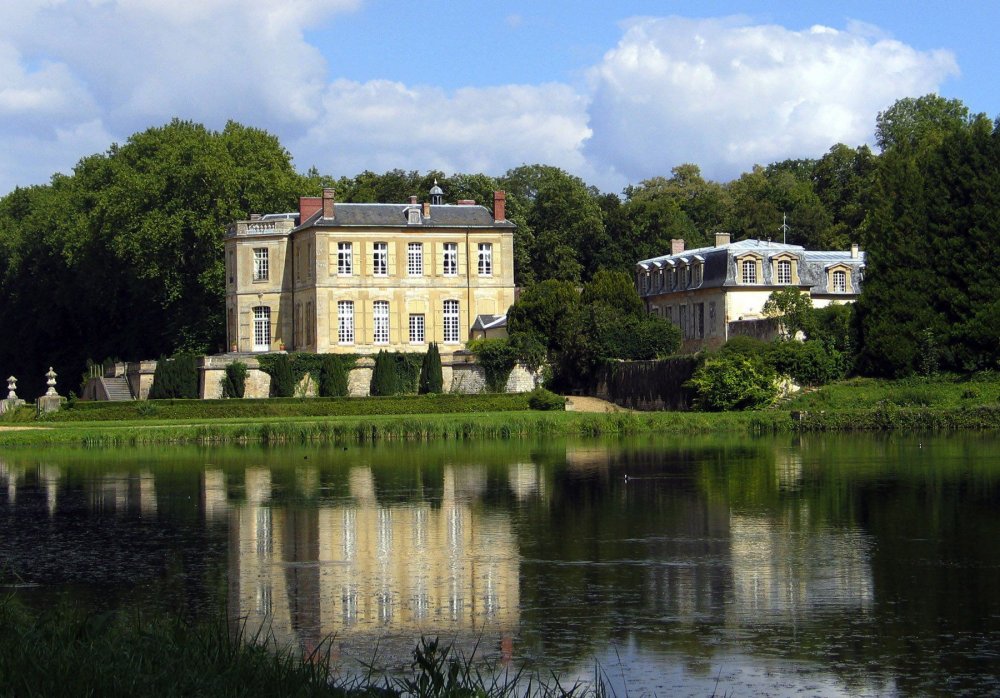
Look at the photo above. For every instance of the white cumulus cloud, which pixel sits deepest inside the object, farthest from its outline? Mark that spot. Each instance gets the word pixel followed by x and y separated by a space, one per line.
pixel 726 94
pixel 379 125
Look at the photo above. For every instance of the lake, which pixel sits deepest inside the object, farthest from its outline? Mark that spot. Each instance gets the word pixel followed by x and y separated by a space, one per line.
pixel 860 565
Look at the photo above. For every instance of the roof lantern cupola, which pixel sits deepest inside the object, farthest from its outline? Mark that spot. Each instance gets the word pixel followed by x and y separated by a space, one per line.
pixel 437 194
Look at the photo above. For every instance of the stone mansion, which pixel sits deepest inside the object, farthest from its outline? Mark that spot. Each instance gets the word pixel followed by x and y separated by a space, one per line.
pixel 713 293
pixel 356 278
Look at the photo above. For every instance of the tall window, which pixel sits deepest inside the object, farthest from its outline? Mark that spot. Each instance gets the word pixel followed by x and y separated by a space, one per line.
pixel 260 264
pixel 451 321
pixel 345 322
pixel 380 259
pixel 416 328
pixel 696 271
pixel 749 267
pixel 415 258
pixel 381 317
pixel 840 281
pixel 784 271
pixel 345 259
pixel 684 277
pixel 485 259
pixel 261 328
pixel 450 259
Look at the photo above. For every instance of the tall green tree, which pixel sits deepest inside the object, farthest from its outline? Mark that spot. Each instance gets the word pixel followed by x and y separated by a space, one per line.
pixel 934 252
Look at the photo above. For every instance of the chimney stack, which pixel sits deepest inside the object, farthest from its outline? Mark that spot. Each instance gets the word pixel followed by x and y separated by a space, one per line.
pixel 427 209
pixel 676 245
pixel 854 250
pixel 413 201
pixel 499 206
pixel 308 206
pixel 722 239
pixel 329 198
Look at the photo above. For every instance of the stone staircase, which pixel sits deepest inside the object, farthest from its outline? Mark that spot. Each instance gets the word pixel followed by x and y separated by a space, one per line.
pixel 117 388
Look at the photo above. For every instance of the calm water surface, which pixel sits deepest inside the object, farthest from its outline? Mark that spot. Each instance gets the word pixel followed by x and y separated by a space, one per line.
pixel 820 566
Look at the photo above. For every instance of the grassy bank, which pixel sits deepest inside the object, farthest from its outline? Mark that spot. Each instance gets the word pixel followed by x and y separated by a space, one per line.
pixel 926 405
pixel 352 430
pixel 66 652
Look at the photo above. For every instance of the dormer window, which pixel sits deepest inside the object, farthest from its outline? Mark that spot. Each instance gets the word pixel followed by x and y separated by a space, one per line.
pixel 785 269
pixel 696 272
pixel 413 216
pixel 748 268
pixel 838 279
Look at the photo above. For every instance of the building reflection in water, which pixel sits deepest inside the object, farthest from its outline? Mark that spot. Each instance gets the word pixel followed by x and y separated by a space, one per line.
pixel 364 568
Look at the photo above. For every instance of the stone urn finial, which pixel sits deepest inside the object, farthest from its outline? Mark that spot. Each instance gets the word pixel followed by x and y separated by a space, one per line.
pixel 51 382
pixel 12 387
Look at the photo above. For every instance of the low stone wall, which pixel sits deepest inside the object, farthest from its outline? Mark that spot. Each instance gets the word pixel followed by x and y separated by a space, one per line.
pixel 764 329
pixel 460 374
pixel 139 375
pixel 648 385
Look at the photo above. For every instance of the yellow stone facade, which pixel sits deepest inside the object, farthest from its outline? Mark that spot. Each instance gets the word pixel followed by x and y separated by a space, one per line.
pixel 327 277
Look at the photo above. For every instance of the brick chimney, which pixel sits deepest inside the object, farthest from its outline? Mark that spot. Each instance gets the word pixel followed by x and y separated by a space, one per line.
pixel 676 245
pixel 308 206
pixel 499 206
pixel 413 201
pixel 722 239
pixel 466 202
pixel 329 200
pixel 427 209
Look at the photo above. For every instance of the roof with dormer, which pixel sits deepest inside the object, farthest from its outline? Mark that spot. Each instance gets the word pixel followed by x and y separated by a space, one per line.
pixel 397 216
pixel 720 264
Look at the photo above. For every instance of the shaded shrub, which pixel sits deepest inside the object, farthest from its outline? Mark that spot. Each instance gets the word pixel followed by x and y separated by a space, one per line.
pixel 733 382
pixel 176 377
pixel 545 400
pixel 808 363
pixel 282 378
pixel 332 377
pixel 235 381
pixel 431 378
pixel 497 357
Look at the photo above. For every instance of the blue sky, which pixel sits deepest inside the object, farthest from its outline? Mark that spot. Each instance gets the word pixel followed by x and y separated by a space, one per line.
pixel 613 92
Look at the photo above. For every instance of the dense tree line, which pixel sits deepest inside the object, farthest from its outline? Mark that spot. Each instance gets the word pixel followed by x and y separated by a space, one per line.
pixel 123 257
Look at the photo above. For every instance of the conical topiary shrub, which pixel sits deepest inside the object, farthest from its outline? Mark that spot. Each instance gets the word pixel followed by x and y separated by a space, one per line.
pixel 431 379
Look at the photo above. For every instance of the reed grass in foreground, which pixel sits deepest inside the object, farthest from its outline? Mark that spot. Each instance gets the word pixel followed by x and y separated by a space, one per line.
pixel 65 652
pixel 505 425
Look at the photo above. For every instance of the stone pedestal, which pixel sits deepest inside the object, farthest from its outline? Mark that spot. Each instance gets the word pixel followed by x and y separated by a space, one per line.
pixel 50 403
pixel 10 404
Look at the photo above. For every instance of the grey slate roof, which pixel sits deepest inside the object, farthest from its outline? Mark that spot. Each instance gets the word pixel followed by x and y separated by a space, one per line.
pixel 720 265
pixel 489 322
pixel 395 216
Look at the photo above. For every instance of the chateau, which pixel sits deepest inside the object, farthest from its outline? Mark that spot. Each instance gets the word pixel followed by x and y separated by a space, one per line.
pixel 357 278
pixel 713 293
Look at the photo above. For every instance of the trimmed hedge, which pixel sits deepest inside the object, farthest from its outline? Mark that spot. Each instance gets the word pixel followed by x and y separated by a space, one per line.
pixel 292 407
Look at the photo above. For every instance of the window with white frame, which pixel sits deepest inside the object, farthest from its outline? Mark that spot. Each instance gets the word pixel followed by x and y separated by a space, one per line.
pixel 451 321
pixel 749 269
pixel 416 328
pixel 345 259
pixel 345 322
pixel 450 259
pixel 784 271
pixel 697 272
pixel 415 258
pixel 260 263
pixel 261 328
pixel 685 279
pixel 485 259
pixel 840 281
pixel 381 322
pixel 380 259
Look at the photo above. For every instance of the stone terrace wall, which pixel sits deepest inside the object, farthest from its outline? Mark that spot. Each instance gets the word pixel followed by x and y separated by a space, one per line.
pixel 459 372
pixel 648 385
